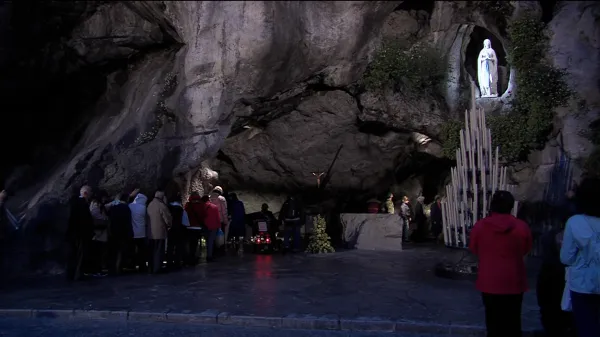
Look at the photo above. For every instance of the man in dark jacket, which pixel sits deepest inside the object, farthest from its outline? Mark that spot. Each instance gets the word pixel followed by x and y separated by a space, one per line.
pixel 176 234
pixel 80 232
pixel 121 232
pixel 436 217
pixel 291 217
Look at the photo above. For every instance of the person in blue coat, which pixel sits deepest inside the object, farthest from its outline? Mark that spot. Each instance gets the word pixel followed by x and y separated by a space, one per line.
pixel 580 252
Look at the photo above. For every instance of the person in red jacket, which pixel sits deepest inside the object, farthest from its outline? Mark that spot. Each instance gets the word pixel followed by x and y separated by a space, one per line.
pixel 501 242
pixel 212 224
pixel 195 210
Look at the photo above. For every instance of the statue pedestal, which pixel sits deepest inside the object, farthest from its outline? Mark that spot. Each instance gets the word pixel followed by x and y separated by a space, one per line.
pixel 491 105
pixel 364 231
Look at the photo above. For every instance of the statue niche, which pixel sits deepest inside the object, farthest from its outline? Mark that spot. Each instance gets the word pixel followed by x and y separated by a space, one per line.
pixel 487 70
pixel 486 66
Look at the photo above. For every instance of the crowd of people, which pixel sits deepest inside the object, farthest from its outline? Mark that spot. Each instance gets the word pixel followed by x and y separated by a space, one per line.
pixel 133 232
pixel 138 233
pixel 568 286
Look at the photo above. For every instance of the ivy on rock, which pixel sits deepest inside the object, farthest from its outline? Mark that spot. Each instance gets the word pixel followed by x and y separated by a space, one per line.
pixel 415 68
pixel 451 138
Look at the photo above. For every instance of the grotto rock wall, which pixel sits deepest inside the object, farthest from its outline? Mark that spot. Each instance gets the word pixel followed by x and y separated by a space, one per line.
pixel 574 45
pixel 258 95
pixel 165 113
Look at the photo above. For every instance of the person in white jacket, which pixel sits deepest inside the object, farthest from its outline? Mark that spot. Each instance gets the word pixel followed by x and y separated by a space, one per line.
pixel 138 222
pixel 217 198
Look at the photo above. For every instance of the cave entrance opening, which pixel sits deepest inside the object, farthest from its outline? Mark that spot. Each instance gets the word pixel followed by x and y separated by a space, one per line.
pixel 478 35
pixel 431 173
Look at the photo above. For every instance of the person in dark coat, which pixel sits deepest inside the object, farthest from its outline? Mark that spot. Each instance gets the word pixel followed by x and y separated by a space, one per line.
pixel 272 221
pixel 436 217
pixel 420 221
pixel 196 212
pixel 237 227
pixel 550 286
pixel 80 232
pixel 176 236
pixel 291 216
pixel 121 232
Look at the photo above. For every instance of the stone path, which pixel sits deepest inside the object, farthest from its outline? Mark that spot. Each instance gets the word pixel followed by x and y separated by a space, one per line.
pixel 14 327
pixel 393 287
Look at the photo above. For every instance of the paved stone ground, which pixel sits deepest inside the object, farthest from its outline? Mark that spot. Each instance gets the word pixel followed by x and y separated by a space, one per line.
pixel 60 328
pixel 399 286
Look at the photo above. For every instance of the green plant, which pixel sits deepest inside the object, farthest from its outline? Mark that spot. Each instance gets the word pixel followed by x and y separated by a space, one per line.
pixel 541 89
pixel 417 68
pixel 450 138
pixel 320 242
pixel 509 133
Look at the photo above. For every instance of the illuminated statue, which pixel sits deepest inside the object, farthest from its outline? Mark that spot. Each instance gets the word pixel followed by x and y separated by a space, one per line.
pixel 487 70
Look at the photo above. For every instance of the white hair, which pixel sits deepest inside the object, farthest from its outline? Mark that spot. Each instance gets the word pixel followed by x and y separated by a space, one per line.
pixel 85 190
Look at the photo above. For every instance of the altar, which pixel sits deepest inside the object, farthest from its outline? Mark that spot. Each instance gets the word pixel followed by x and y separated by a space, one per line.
pixel 364 231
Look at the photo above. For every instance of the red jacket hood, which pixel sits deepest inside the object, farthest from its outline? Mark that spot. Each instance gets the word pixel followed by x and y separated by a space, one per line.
pixel 195 198
pixel 500 223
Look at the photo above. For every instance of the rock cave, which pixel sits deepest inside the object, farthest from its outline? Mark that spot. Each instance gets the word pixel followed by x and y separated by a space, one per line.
pixel 256 99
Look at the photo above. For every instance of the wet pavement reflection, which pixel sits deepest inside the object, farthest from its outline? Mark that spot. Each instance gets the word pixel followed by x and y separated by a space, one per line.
pixel 392 285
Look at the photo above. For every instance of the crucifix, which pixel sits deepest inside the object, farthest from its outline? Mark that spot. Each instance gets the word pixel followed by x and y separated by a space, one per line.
pixel 318 175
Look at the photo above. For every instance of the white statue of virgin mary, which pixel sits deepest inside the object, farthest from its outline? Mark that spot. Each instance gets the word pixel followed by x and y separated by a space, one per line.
pixel 487 70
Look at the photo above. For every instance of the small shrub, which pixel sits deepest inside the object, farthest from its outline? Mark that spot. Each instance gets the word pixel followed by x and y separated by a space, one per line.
pixel 319 241
pixel 417 68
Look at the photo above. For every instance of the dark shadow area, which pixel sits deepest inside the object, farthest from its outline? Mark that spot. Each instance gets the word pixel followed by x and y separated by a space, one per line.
pixel 552 212
pixel 48 89
pixel 416 5
pixel 548 8
pixel 475 45
pixel 431 170
pixel 374 128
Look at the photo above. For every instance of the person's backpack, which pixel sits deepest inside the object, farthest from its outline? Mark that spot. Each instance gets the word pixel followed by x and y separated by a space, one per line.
pixel 292 211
